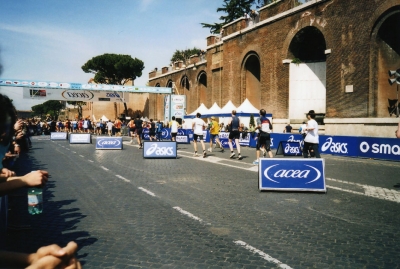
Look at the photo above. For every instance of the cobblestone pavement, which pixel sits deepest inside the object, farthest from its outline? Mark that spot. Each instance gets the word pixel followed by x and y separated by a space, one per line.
pixel 128 212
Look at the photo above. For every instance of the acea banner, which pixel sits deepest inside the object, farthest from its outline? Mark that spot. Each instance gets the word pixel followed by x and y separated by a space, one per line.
pixel 109 143
pixel 74 95
pixel 58 136
pixel 292 174
pixel 80 138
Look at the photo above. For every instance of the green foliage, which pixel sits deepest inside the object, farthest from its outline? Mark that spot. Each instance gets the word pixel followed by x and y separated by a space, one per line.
pixel 234 9
pixel 296 61
pixel 252 122
pixel 114 68
pixel 181 55
pixel 51 107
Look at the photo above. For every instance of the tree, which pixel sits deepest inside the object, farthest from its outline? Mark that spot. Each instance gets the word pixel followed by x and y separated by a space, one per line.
pixel 117 69
pixel 38 110
pixel 234 9
pixel 252 122
pixel 182 55
pixel 51 107
pixel 79 104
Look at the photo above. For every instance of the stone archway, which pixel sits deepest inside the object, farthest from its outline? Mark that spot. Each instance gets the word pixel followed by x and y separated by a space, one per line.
pixel 307 73
pixel 386 39
pixel 185 89
pixel 202 88
pixel 251 80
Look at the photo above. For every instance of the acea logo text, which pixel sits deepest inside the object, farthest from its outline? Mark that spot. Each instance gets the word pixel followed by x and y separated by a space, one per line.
pixel 308 175
pixel 159 151
pixel 108 142
pixel 380 148
pixel 334 147
pixel 78 94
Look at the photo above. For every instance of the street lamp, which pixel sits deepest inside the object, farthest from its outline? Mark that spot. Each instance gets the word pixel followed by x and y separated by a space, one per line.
pixel 396 75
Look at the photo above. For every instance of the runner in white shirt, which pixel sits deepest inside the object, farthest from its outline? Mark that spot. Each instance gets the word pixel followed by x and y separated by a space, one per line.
pixel 311 142
pixel 198 126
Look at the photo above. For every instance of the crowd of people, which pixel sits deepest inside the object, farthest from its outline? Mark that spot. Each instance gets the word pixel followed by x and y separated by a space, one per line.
pixel 14 133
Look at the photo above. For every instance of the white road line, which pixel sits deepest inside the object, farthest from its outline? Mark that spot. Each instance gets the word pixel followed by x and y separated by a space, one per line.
pixel 82 156
pixel 67 148
pixel 124 179
pixel 265 256
pixel 74 152
pixel 369 191
pixel 190 215
pixel 104 168
pixel 91 161
pixel 147 191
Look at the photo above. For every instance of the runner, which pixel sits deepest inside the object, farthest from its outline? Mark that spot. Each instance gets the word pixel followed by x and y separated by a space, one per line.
pixel 117 125
pixel 174 125
pixel 139 130
pixel 264 126
pixel 198 126
pixel 131 130
pixel 234 134
pixel 214 134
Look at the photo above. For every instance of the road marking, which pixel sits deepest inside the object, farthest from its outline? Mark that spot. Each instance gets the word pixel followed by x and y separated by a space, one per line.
pixel 91 161
pixel 124 179
pixel 74 152
pixel 190 215
pixel 82 156
pixel 370 191
pixel 147 191
pixel 265 256
pixel 104 168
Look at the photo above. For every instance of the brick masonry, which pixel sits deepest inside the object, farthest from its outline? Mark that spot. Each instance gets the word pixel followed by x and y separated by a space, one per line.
pixel 359 56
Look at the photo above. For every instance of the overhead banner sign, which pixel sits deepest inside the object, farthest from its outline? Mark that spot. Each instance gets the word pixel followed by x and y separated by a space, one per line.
pixel 73 95
pixel 81 86
pixel 292 174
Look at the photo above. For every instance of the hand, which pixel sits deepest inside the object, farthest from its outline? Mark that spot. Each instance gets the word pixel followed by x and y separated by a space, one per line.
pixel 19 135
pixel 4 173
pixel 54 256
pixel 36 178
pixel 18 124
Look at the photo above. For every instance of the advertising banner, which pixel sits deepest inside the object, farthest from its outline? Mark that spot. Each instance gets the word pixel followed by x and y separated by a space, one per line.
pixel 109 143
pixel 379 148
pixel 182 139
pixel 289 149
pixel 178 106
pixel 58 136
pixel 74 95
pixel 81 86
pixel 80 139
pixel 167 108
pixel 159 149
pixel 292 174
pixel 339 145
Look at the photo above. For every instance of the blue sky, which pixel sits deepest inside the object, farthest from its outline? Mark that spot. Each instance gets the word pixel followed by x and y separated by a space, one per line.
pixel 52 39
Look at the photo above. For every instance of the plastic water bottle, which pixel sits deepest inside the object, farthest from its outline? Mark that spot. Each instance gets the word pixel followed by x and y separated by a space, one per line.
pixel 35 201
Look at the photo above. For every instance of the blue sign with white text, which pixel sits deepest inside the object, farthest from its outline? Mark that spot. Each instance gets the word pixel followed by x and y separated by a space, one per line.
pixel 80 139
pixel 109 143
pixel 292 174
pixel 159 149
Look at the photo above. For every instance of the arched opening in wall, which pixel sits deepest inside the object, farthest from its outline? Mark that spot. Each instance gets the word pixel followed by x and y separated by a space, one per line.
pixel 202 86
pixel 388 58
pixel 307 73
pixel 252 85
pixel 185 90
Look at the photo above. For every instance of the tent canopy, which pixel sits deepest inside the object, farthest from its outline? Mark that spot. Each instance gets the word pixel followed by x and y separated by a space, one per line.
pixel 202 109
pixel 246 109
pixel 215 111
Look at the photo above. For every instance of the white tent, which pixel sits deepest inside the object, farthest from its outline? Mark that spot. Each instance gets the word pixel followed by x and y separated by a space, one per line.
pixel 202 109
pixel 246 109
pixel 215 110
pixel 104 119
pixel 226 111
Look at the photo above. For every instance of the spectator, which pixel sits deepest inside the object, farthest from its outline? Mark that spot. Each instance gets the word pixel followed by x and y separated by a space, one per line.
pixel 288 128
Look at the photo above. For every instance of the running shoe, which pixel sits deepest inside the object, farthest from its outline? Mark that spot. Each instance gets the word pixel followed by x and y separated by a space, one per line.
pixel 204 154
pixel 264 153
pixel 210 149
pixel 195 154
pixel 222 150
pixel 232 155
pixel 240 157
pixel 255 162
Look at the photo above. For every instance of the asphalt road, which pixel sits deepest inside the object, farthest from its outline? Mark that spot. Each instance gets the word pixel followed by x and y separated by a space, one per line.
pixel 128 212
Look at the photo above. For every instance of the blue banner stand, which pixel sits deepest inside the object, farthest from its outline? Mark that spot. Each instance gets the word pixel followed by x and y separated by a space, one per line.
pixel 289 149
pixel 109 143
pixel 279 174
pixel 159 149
